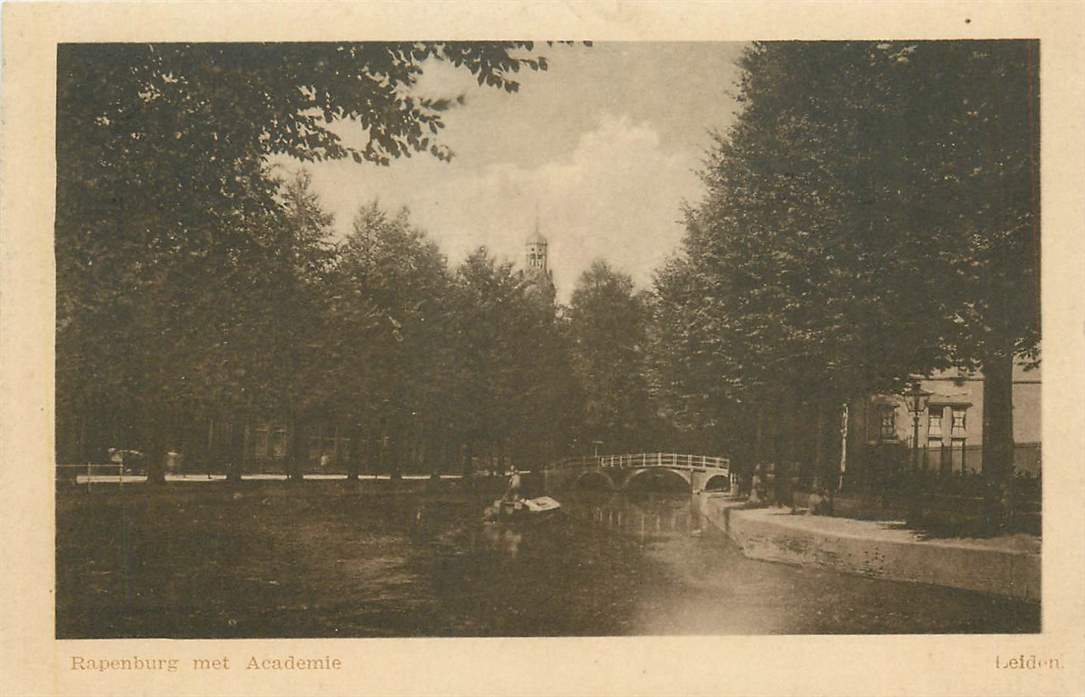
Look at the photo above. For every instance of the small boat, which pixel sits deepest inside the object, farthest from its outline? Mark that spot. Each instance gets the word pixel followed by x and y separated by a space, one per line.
pixel 541 504
pixel 522 509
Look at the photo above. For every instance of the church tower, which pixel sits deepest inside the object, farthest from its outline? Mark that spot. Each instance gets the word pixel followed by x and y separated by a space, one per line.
pixel 538 271
pixel 536 252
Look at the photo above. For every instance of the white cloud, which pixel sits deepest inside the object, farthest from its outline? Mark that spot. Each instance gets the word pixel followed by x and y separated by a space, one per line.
pixel 616 196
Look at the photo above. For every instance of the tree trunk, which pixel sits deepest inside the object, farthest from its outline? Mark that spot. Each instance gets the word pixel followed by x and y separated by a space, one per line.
pixel 294 448
pixel 233 473
pixel 373 452
pixel 821 477
pixel 997 442
pixel 354 461
pixel 468 461
pixel 998 418
pixel 156 451
pixel 395 455
pixel 841 475
pixel 81 445
pixel 759 437
pixel 395 452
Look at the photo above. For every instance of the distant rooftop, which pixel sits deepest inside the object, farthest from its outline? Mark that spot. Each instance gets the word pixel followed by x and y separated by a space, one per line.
pixel 536 237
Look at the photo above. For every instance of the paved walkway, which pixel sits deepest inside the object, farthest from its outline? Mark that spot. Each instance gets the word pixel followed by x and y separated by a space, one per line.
pixel 1004 565
pixel 891 531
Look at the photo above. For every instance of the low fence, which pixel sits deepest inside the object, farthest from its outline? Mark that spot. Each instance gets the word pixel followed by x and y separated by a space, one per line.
pixel 888 460
pixel 952 502
pixel 90 473
pixel 117 475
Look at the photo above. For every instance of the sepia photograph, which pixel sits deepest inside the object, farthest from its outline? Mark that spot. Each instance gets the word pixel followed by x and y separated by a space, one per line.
pixel 601 348
pixel 548 339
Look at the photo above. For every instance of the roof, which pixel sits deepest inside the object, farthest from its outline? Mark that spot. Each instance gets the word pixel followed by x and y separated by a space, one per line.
pixel 536 236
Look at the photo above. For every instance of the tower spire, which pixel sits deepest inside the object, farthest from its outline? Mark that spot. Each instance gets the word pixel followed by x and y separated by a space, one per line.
pixel 537 270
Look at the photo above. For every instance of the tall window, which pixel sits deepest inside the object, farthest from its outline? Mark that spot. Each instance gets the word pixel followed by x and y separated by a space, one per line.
pixel 261 447
pixel 277 444
pixel 959 430
pixel 888 422
pixel 934 423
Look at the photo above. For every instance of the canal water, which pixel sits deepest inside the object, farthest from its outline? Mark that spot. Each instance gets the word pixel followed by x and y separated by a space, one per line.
pixel 645 563
pixel 267 560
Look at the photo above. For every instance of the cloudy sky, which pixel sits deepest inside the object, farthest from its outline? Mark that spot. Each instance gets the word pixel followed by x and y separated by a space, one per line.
pixel 606 143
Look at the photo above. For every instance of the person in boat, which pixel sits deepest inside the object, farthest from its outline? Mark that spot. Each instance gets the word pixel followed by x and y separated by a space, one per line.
pixel 512 491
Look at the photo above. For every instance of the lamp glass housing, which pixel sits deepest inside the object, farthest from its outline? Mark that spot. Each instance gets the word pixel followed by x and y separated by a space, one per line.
pixel 916 398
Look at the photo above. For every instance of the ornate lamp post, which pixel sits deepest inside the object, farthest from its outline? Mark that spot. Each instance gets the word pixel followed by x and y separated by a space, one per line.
pixel 916 400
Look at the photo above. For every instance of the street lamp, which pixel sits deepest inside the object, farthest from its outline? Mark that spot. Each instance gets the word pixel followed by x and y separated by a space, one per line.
pixel 916 400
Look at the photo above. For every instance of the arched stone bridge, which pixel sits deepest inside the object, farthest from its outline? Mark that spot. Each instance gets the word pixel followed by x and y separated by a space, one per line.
pixel 700 472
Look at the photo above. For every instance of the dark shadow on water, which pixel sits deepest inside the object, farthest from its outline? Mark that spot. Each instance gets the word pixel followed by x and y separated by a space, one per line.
pixel 332 561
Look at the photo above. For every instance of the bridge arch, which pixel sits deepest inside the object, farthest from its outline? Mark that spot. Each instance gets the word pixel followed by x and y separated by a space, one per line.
pixel 717 482
pixel 658 472
pixel 584 478
pixel 696 472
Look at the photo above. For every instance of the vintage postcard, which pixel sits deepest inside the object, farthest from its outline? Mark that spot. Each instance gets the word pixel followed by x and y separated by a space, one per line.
pixel 586 348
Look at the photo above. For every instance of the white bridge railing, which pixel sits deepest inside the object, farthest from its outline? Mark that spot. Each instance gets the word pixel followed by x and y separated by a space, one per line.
pixel 638 460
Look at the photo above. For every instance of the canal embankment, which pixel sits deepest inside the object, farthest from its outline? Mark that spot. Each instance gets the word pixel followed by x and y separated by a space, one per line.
pixel 1006 566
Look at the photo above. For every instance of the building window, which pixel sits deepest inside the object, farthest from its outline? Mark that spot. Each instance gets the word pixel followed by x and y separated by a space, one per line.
pixel 277 443
pixel 959 430
pixel 260 448
pixel 888 429
pixel 934 423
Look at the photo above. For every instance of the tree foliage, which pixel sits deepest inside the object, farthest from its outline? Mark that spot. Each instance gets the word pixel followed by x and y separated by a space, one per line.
pixel 871 215
pixel 608 326
pixel 513 364
pixel 394 312
pixel 186 272
pixel 865 221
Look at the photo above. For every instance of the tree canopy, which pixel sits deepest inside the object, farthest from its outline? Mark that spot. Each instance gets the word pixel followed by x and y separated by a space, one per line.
pixel 608 326
pixel 187 266
pixel 865 220
pixel 872 215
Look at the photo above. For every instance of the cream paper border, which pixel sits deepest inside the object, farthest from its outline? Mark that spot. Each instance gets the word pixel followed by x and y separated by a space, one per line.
pixel 33 663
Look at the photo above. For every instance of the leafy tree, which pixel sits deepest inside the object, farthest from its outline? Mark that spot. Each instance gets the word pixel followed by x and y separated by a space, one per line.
pixel 608 325
pixel 866 192
pixel 490 300
pixel 555 398
pixel 513 381
pixel 402 341
pixel 165 204
pixel 297 325
pixel 978 191
pixel 692 381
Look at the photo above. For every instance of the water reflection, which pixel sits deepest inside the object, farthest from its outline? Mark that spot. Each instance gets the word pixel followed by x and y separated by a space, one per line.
pixel 637 563
pixel 499 538
pixel 369 566
pixel 648 517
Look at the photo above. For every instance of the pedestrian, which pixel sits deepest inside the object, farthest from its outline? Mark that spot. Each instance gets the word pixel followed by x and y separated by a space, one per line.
pixel 755 486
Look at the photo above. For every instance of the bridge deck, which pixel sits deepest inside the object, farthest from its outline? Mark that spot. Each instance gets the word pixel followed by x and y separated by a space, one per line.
pixel 643 460
pixel 619 470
